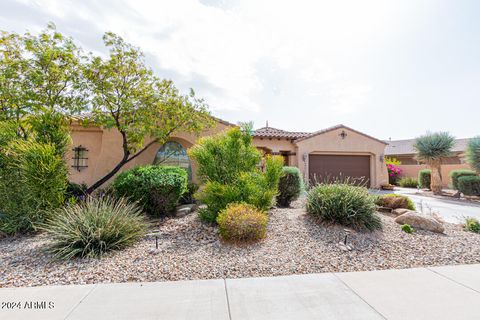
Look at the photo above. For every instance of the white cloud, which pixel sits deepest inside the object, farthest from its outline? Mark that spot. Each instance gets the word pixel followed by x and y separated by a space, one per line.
pixel 222 47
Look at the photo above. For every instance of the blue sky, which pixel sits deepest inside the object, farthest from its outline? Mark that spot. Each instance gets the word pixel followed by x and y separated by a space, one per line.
pixel 388 68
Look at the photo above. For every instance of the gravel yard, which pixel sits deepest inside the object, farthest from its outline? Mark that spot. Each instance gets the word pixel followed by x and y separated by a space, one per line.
pixel 295 243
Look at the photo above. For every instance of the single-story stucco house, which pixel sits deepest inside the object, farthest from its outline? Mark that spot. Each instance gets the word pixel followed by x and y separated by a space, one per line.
pixel 403 151
pixel 329 153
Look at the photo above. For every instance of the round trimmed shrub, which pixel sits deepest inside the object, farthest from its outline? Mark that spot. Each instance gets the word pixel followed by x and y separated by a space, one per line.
pixel 425 178
pixel 95 226
pixel 156 188
pixel 456 174
pixel 469 185
pixel 395 201
pixel 242 222
pixel 344 204
pixel 289 186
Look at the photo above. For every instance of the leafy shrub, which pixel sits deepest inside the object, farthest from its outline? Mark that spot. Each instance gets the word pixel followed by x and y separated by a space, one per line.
pixel 223 157
pixel 407 182
pixel 469 185
pixel 395 201
pixel 456 174
pixel 33 180
pixel 242 222
pixel 472 153
pixel 75 190
pixel 188 196
pixel 425 178
pixel 289 186
pixel 345 204
pixel 228 167
pixel 407 228
pixel 156 188
pixel 94 227
pixel 472 225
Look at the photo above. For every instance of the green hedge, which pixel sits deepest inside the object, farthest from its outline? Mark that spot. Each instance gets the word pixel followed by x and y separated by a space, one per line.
pixel 289 186
pixel 425 178
pixel 456 174
pixel 469 185
pixel 156 188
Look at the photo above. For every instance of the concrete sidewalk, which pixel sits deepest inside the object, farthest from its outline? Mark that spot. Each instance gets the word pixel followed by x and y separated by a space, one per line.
pixel 425 293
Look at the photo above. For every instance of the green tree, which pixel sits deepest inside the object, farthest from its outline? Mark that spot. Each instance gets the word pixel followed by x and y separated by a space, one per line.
pixel 473 153
pixel 145 110
pixel 431 149
pixel 41 83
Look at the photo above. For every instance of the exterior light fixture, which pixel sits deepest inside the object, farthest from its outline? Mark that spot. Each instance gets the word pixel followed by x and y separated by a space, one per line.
pixel 79 158
pixel 343 134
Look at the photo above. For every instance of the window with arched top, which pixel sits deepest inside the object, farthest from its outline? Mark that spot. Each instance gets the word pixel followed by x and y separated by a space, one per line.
pixel 173 153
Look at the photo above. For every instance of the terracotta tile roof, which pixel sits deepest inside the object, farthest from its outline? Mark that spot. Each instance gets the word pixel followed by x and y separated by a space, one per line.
pixel 396 147
pixel 269 132
pixel 339 126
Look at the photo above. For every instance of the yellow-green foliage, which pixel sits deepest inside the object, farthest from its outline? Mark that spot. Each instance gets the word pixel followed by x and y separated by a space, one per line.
pixel 242 222
pixel 394 161
pixel 228 165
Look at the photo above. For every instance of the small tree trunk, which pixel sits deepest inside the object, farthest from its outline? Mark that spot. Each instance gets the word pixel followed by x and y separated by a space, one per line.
pixel 436 184
pixel 106 177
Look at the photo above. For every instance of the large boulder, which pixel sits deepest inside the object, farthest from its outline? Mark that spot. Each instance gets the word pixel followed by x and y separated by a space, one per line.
pixel 420 221
pixel 400 211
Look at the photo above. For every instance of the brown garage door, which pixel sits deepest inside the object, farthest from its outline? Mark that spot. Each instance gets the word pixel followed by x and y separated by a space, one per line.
pixel 332 167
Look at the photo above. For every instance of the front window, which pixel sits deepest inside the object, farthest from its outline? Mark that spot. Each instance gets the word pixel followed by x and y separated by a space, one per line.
pixel 174 154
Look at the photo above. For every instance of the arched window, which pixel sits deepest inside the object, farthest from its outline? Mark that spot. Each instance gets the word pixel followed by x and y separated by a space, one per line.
pixel 173 154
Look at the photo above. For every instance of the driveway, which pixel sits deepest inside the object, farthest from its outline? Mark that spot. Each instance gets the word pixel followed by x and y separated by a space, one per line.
pixel 451 210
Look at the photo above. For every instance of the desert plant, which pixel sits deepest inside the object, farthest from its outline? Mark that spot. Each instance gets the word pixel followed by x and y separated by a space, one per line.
pixel 395 201
pixel 242 222
pixel 472 225
pixel 289 186
pixel 345 204
pixel 407 228
pixel 425 178
pixel 156 188
pixel 94 227
pixel 469 185
pixel 408 182
pixel 472 153
pixel 431 149
pixel 33 180
pixel 228 165
pixel 456 174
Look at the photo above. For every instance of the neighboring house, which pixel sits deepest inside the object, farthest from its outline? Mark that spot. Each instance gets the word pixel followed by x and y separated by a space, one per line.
pixel 328 154
pixel 95 151
pixel 403 151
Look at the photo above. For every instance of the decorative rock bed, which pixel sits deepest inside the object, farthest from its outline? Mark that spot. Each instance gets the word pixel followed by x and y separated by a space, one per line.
pixel 296 243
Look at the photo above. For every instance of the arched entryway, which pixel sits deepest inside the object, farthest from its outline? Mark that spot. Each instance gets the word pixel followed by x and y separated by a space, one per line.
pixel 173 153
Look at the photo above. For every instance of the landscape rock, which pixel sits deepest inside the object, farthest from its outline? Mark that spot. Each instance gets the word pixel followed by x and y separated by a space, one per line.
pixel 400 211
pixel 420 221
pixel 185 209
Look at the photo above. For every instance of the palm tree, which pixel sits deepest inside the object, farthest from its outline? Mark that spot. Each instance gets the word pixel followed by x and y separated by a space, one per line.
pixel 473 153
pixel 431 149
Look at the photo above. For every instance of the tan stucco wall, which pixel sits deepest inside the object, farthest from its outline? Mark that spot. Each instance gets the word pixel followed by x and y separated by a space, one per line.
pixel 411 171
pixel 276 145
pixel 354 144
pixel 105 151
